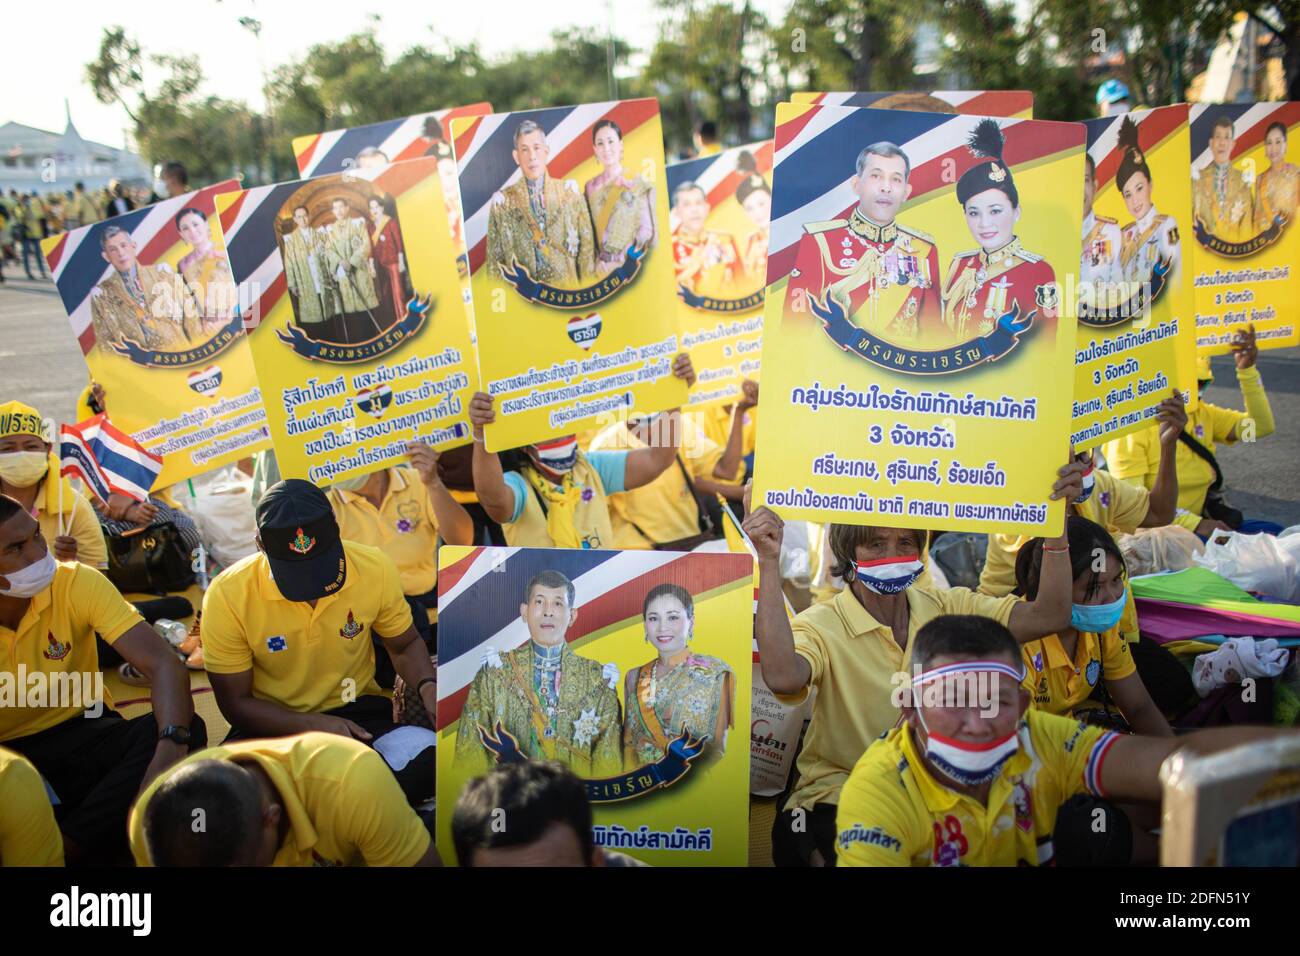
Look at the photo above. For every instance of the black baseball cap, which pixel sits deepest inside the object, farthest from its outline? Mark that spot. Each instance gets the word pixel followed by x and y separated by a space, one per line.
pixel 301 539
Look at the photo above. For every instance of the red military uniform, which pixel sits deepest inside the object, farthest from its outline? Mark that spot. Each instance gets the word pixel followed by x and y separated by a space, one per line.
pixel 708 263
pixel 982 287
pixel 886 278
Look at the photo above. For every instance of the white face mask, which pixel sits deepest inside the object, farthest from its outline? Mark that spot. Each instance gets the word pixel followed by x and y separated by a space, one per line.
pixel 31 580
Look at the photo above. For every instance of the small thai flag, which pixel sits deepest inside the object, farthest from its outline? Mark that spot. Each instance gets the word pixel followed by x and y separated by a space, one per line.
pixel 107 459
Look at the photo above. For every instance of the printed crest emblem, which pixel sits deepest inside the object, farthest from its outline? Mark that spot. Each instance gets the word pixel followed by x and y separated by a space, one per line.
pixel 56 651
pixel 1047 296
pixel 375 401
pixel 205 380
pixel 351 629
pixel 997 174
pixel 1092 672
pixel 301 544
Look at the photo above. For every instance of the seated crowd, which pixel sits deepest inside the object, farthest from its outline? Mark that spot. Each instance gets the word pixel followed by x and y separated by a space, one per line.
pixel 320 651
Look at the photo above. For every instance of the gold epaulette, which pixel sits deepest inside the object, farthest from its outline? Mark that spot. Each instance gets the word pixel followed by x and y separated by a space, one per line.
pixel 1028 256
pixel 963 255
pixel 915 233
pixel 1107 219
pixel 825 226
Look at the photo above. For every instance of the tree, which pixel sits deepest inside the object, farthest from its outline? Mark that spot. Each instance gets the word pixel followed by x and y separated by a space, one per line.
pixel 1280 17
pixel 833 45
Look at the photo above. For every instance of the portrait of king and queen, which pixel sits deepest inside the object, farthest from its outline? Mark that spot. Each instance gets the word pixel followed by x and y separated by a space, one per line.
pixel 885 276
pixel 159 306
pixel 562 233
pixel 344 260
pixel 546 700
pixel 1234 206
pixel 714 262
pixel 1118 261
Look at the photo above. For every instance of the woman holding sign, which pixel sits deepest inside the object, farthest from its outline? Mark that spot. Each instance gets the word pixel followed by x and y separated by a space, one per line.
pixel 1001 277
pixel 678 690
pixel 622 209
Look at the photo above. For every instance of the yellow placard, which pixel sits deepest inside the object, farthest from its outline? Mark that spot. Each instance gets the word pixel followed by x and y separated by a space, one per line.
pixel 918 351
pixel 570 267
pixel 1137 336
pixel 720 212
pixel 154 308
pixel 357 326
pixel 1245 194
pixel 644 693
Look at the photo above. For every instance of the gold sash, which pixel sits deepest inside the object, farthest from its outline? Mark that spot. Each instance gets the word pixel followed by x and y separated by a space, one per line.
pixel 646 709
pixel 524 682
pixel 612 193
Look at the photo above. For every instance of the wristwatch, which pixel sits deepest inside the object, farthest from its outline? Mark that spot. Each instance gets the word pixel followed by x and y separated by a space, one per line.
pixel 176 734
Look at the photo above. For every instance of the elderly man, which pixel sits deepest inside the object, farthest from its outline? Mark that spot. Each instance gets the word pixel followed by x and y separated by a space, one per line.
pixel 347 253
pixel 144 304
pixel 539 223
pixel 310 283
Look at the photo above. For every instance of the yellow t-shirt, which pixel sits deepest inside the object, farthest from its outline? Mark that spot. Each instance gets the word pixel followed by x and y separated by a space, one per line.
pixel 715 422
pixel 403 527
pixel 28 834
pixel 343 804
pixel 79 518
pixel 853 659
pixel 56 639
pixel 1058 684
pixel 301 656
pixel 892 812
pixel 1135 458
pixel 665 509
pixel 1115 505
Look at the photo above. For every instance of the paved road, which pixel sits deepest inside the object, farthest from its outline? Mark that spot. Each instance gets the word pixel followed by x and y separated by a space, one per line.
pixel 41 364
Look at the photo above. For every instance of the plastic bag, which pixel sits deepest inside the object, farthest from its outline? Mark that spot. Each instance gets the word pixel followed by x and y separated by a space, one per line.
pixel 1256 562
pixel 223 510
pixel 1152 550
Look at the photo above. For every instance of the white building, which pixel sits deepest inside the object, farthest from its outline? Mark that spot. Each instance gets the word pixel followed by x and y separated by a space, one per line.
pixel 38 160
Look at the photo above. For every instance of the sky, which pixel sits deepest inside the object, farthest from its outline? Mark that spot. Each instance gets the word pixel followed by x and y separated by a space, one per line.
pixel 232 58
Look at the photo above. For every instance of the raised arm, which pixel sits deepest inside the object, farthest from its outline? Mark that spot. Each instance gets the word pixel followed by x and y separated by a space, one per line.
pixel 489 480
pixel 455 526
pixel 1171 419
pixel 1050 611
pixel 784 670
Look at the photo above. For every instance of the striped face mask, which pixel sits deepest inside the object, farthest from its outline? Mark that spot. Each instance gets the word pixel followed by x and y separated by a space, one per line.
pixel 968 763
pixel 1088 482
pixel 558 455
pixel 889 575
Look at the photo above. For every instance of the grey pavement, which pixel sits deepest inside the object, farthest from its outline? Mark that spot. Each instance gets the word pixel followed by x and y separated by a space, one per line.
pixel 41 364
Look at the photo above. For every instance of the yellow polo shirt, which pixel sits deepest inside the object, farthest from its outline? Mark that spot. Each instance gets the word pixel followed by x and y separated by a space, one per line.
pixel 1115 505
pixel 894 813
pixel 853 659
pixel 28 834
pixel 56 639
pixel 79 518
pixel 715 421
pixel 343 804
pixel 1059 684
pixel 301 656
pixel 665 509
pixel 403 527
pixel 1136 457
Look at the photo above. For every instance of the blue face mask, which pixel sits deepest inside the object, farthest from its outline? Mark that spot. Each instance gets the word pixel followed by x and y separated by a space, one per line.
pixel 1096 618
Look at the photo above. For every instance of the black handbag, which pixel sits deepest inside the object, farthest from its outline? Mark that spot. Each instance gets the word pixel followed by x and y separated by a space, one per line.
pixel 1216 506
pixel 150 560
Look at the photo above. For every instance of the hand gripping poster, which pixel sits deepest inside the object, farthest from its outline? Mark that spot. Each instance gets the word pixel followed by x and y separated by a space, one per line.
pixel 154 309
pixel 632 668
pixel 356 323
pixel 1014 103
pixel 571 271
pixel 719 219
pixel 1245 192
pixel 924 351
pixel 1137 334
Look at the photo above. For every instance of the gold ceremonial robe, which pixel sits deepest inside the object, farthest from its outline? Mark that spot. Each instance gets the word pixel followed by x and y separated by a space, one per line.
pixel 1222 202
pixel 1278 191
pixel 152 312
pixel 558 248
pixel 347 253
pixel 309 276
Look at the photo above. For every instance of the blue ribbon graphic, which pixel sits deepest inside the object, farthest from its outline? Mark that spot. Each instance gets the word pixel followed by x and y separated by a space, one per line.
pixel 336 353
pixel 543 294
pixel 156 358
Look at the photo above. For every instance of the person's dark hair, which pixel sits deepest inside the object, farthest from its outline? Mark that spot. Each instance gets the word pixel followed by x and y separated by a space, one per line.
pixel 1085 539
pixel 109 233
pixel 682 595
pixel 176 171
pixel 385 204
pixel 966 635
pixel 753 182
pixel 189 210
pixel 1133 162
pixel 551 579
pixel 687 186
pixel 533 796
pixel 303 207
pixel 991 172
pixel 8 508
pixel 1276 125
pixel 231 801
pixel 433 129
pixel 708 132
pixel 618 130
pixel 1223 121
pixel 80 186
pixel 888 151
pixel 845 539
pixel 1091 165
